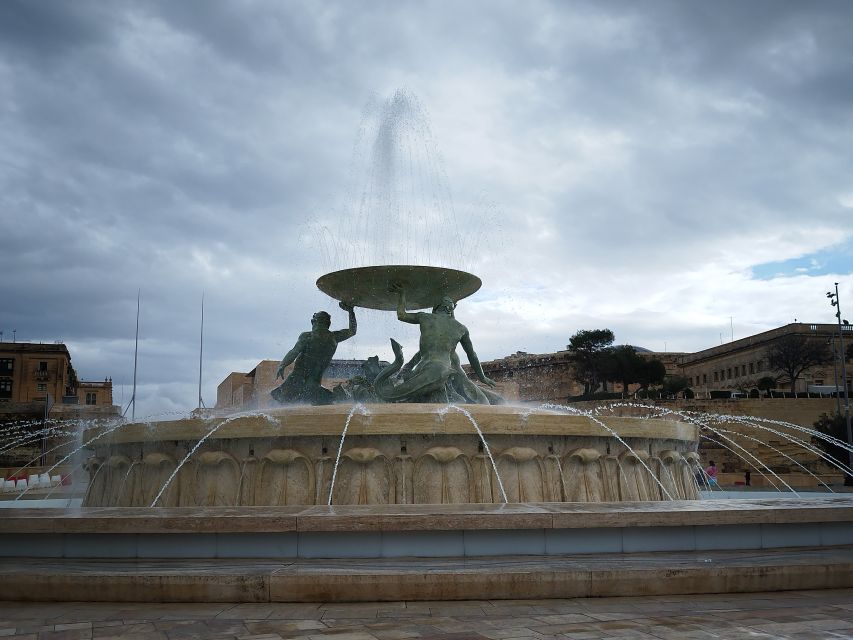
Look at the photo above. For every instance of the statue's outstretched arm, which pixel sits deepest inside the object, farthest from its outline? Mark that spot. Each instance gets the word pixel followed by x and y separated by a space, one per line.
pixel 290 357
pixel 402 314
pixel 343 334
pixel 474 360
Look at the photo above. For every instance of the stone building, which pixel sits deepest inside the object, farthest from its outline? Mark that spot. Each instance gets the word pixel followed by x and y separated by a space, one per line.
pixel 31 373
pixel 740 364
pixel 733 366
pixel 549 377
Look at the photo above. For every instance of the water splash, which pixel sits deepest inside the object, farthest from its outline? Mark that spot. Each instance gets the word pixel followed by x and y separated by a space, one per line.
pixel 78 449
pixel 596 420
pixel 468 415
pixel 562 476
pixel 704 420
pixel 781 453
pixel 363 411
pixel 227 420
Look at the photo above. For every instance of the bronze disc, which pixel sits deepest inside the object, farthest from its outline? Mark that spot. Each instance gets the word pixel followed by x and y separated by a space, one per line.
pixel 370 287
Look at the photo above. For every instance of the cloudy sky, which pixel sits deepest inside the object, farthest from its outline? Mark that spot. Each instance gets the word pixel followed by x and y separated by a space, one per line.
pixel 665 169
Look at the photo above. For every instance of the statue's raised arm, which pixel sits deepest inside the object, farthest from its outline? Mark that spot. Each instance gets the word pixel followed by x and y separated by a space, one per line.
pixel 402 314
pixel 344 334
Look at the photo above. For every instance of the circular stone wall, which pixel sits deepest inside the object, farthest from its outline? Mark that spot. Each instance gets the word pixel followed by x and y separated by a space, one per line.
pixel 392 454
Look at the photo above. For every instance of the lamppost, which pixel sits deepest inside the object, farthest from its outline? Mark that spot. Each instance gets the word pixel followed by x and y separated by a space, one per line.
pixel 834 348
pixel 834 301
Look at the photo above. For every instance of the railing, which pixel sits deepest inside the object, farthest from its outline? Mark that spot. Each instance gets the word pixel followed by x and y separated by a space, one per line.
pixel 42 375
pixel 85 384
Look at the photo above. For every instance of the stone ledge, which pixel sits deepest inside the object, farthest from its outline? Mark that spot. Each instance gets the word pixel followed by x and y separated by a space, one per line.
pixel 426 579
pixel 426 517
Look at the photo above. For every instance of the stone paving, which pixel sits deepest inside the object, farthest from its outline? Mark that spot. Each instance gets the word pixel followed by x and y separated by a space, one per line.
pixel 801 615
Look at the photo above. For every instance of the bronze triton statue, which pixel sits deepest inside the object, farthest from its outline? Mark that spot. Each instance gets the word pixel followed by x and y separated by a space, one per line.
pixel 310 356
pixel 434 372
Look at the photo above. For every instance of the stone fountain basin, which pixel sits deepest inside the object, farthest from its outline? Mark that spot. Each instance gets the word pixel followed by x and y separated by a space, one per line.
pixel 392 454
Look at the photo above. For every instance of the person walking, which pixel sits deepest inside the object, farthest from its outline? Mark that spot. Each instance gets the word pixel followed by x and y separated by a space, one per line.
pixel 711 473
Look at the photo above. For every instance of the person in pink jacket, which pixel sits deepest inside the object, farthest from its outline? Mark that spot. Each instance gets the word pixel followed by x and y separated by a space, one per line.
pixel 711 473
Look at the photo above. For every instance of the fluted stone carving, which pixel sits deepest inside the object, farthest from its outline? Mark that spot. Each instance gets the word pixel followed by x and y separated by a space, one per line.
pixel 438 462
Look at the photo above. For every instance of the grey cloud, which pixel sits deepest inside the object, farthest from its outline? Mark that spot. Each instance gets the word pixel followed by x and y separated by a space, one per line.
pixel 186 146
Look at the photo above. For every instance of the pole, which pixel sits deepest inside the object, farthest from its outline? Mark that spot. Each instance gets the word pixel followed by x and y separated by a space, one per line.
pixel 835 372
pixel 848 480
pixel 135 359
pixel 135 354
pixel 200 352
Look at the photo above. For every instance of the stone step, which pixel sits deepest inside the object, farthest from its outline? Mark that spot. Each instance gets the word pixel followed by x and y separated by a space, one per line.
pixel 393 579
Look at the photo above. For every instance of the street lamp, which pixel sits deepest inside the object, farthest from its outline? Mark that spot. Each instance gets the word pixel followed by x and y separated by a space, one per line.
pixel 834 301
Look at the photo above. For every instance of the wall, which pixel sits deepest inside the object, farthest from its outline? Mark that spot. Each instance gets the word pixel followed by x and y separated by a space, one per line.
pixel 28 382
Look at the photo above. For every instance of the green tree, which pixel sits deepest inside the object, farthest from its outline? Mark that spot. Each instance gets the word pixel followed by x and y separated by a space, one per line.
pixel 794 354
pixel 835 426
pixel 673 385
pixel 766 383
pixel 589 349
pixel 622 364
pixel 652 372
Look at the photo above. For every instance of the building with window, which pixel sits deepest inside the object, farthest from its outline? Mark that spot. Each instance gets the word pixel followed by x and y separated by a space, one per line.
pixel 34 374
pixel 740 364
pixel 734 366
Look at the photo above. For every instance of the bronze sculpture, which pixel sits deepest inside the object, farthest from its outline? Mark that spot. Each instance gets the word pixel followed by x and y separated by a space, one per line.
pixel 436 365
pixel 310 356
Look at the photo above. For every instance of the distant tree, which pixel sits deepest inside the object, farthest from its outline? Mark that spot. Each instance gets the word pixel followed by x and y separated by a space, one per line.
pixel 622 364
pixel 835 426
pixel 589 349
pixel 673 385
pixel 652 372
pixel 794 354
pixel 766 383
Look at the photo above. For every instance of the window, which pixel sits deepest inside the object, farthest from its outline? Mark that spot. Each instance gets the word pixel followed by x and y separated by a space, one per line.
pixel 760 366
pixel 716 377
pixel 91 398
pixel 751 368
pixel 729 371
pixel 42 366
pixel 41 386
pixel 6 366
pixel 5 389
pixel 704 378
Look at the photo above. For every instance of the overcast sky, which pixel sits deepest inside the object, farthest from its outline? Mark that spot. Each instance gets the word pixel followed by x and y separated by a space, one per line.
pixel 656 168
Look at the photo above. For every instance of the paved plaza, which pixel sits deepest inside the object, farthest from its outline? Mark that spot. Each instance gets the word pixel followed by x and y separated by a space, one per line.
pixel 819 615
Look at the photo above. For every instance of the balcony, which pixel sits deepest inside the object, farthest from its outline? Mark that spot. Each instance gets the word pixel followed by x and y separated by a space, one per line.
pixel 42 375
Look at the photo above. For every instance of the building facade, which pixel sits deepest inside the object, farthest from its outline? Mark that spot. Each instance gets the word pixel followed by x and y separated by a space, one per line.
pixel 29 372
pixel 550 377
pixel 33 373
pixel 739 365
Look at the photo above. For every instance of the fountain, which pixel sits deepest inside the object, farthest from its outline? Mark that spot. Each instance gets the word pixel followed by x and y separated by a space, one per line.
pixel 441 442
pixel 440 492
